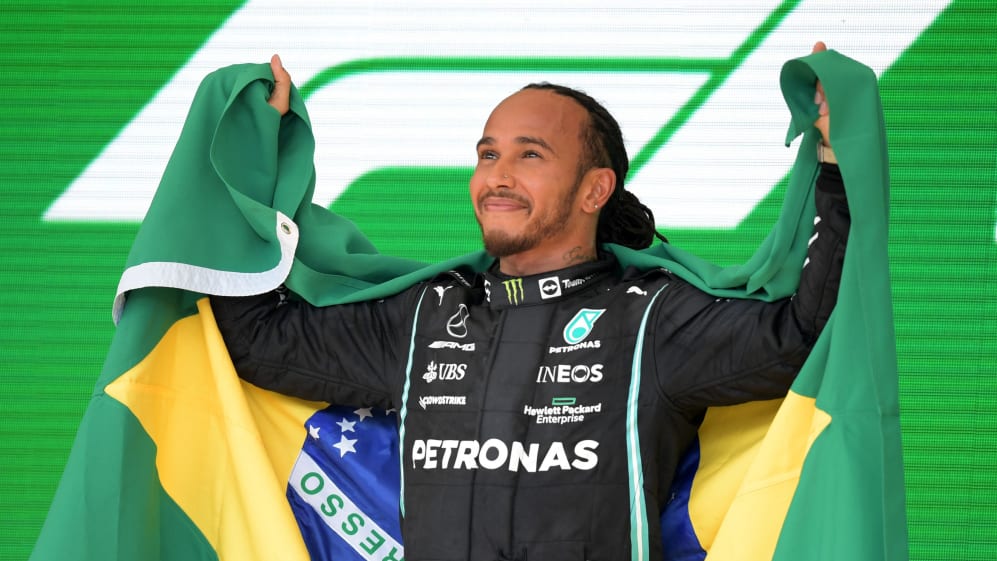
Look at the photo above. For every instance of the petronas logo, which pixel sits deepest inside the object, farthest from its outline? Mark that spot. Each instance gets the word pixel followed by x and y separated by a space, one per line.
pixel 514 291
pixel 581 325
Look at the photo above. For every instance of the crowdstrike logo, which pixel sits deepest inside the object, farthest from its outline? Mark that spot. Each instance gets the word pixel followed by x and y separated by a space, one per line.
pixel 514 290
pixel 494 454
pixel 448 400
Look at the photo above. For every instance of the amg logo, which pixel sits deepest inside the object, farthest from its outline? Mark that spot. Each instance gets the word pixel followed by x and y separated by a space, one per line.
pixel 428 400
pixel 583 345
pixel 451 345
pixel 494 454
pixel 565 374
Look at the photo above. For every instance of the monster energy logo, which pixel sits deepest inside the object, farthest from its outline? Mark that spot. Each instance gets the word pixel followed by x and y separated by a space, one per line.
pixel 514 291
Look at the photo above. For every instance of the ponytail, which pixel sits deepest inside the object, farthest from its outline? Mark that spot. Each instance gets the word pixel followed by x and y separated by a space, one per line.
pixel 627 221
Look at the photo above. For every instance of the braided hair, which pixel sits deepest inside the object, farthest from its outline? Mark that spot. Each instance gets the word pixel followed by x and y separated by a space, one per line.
pixel 624 220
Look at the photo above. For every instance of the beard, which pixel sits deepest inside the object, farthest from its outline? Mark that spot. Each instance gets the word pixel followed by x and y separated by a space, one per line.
pixel 500 244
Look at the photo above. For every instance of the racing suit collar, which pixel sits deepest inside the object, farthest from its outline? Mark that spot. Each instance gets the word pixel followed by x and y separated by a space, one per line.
pixel 503 291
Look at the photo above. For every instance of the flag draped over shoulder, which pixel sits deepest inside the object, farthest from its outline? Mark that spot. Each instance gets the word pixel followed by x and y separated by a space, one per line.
pixel 176 458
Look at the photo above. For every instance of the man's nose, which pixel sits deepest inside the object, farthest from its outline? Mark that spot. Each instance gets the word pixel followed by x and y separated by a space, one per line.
pixel 500 176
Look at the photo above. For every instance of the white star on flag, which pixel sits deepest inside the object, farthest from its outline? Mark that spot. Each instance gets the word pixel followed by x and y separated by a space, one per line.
pixel 313 431
pixel 345 445
pixel 346 426
pixel 364 413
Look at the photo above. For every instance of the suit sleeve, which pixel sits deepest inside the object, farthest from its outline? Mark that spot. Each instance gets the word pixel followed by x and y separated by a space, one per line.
pixel 347 354
pixel 711 351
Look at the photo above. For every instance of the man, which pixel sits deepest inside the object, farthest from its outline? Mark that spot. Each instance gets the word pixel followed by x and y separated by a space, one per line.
pixel 544 404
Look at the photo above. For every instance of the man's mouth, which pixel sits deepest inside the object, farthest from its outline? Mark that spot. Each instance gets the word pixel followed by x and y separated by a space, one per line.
pixel 502 204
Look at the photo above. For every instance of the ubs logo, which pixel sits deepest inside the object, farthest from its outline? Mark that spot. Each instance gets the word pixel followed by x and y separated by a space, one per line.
pixel 444 371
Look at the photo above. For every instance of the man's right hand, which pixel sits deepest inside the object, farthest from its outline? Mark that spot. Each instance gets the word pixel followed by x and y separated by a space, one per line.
pixel 823 122
pixel 280 97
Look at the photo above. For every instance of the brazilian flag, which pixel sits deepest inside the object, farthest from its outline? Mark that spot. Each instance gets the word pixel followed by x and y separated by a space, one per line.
pixel 176 458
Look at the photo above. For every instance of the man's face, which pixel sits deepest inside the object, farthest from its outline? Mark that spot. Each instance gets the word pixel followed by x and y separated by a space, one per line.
pixel 525 184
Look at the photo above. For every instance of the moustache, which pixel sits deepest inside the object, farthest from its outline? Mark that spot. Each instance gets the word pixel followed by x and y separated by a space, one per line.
pixel 503 195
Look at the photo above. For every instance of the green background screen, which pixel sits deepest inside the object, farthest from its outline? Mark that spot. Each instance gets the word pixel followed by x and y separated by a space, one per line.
pixel 95 92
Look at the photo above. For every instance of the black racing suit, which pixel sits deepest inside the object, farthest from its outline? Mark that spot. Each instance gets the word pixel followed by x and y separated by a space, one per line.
pixel 536 411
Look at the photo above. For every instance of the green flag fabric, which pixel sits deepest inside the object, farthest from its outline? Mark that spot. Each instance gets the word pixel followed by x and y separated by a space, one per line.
pixel 233 216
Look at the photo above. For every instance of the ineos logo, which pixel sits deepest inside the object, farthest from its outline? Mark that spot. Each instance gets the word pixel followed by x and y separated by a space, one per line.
pixel 567 374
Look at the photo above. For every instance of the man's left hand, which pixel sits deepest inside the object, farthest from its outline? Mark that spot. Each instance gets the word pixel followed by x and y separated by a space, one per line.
pixel 823 122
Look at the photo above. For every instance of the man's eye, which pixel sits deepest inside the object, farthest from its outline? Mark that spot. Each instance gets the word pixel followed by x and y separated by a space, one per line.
pixel 487 155
pixel 531 154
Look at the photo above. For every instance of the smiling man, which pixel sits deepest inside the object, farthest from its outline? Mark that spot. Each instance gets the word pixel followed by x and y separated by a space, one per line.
pixel 544 403
pixel 537 189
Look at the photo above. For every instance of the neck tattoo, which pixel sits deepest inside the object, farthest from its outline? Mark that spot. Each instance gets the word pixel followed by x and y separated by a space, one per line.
pixel 578 255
